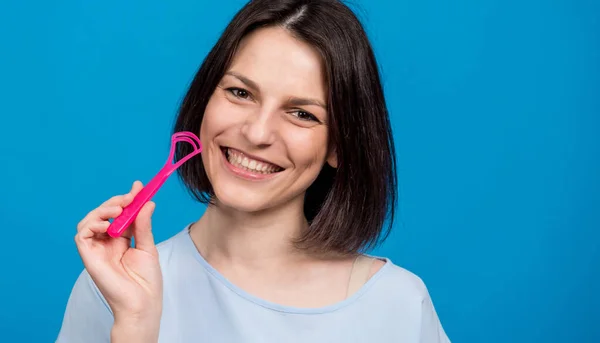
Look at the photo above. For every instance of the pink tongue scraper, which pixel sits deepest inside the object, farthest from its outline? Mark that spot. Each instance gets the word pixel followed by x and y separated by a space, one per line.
pixel 130 212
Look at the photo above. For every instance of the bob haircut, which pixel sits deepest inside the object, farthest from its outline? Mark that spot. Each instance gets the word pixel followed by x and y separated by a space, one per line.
pixel 346 207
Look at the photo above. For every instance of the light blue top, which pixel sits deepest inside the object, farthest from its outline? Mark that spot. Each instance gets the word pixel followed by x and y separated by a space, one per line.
pixel 200 305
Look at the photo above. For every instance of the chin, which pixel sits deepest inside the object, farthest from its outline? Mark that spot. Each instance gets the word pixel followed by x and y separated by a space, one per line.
pixel 241 200
pixel 248 199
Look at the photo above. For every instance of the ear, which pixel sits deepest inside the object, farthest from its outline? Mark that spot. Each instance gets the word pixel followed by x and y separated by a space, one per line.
pixel 332 159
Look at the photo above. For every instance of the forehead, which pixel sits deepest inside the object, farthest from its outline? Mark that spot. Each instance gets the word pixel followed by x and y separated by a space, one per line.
pixel 274 59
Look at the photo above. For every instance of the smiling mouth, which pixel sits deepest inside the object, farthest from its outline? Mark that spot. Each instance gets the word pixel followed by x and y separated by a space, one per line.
pixel 240 160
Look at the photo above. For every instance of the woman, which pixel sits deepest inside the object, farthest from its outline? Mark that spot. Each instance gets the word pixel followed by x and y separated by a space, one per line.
pixel 298 173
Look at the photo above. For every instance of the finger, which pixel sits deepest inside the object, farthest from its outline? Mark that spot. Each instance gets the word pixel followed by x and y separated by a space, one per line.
pixel 142 229
pixel 93 228
pixel 106 210
pixel 93 215
pixel 124 199
pixel 113 201
pixel 127 233
pixel 102 213
pixel 136 187
pixel 86 237
pixel 106 213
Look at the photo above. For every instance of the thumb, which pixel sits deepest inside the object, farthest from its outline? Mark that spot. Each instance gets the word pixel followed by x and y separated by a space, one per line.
pixel 142 229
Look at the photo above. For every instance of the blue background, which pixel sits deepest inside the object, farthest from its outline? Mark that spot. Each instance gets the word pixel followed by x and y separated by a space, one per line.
pixel 496 114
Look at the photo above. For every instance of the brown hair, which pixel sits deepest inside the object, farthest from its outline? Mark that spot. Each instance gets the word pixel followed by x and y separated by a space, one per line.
pixel 347 206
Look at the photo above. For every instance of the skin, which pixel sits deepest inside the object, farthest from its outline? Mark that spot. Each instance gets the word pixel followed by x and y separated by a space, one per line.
pixel 260 107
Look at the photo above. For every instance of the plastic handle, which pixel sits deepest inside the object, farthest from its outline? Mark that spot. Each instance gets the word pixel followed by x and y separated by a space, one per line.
pixel 130 212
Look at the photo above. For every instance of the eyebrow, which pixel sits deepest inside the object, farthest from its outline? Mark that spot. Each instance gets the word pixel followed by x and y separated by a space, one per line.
pixel 306 102
pixel 292 101
pixel 244 80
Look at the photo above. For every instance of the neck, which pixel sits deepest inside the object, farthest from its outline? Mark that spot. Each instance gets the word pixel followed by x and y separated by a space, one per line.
pixel 255 240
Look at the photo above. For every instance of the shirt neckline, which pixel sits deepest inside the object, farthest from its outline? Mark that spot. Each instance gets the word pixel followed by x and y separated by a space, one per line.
pixel 275 306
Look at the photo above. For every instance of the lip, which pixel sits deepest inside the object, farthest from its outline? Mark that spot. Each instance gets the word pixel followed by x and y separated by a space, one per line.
pixel 245 174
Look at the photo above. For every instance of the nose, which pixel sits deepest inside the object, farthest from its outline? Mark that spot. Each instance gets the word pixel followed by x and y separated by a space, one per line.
pixel 259 127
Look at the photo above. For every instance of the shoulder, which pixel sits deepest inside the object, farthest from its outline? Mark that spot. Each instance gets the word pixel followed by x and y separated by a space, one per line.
pixel 397 283
pixel 396 275
pixel 407 293
pixel 404 293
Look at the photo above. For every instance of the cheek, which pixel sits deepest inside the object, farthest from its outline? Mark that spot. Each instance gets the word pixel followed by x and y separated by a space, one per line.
pixel 217 115
pixel 310 148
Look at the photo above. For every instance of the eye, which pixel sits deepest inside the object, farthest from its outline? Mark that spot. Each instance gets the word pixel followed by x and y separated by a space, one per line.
pixel 239 93
pixel 306 116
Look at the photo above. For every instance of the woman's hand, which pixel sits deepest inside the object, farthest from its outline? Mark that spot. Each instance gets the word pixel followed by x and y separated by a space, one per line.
pixel 128 277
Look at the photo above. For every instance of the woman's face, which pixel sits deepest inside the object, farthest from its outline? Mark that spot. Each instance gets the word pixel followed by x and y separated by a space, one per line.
pixel 264 130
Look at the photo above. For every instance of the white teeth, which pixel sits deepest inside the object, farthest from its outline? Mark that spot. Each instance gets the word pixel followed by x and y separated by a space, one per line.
pixel 249 164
